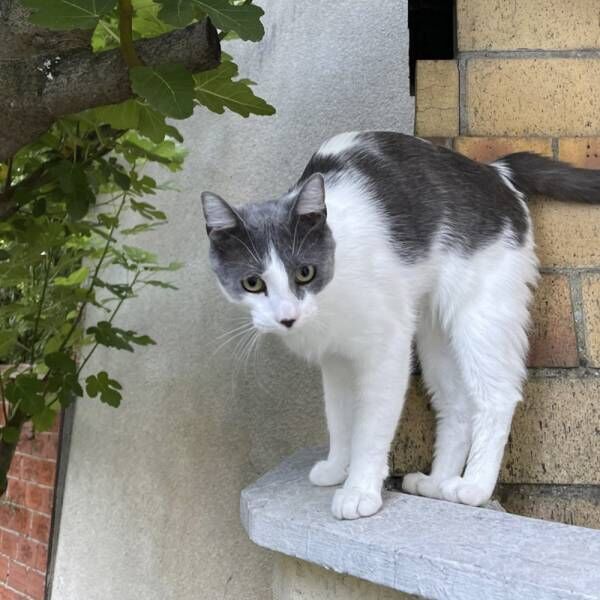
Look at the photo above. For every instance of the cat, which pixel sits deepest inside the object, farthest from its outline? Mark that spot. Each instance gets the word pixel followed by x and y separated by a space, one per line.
pixel 386 239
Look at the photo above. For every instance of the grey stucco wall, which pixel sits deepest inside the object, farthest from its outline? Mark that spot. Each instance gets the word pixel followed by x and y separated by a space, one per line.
pixel 152 492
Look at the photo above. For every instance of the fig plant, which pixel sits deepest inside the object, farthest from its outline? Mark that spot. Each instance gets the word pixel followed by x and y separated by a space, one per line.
pixel 76 165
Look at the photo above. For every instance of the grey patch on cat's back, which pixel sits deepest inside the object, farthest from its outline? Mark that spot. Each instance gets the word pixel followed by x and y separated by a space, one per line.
pixel 424 189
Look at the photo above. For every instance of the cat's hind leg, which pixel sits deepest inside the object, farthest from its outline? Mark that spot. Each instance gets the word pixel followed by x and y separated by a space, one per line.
pixel 449 397
pixel 489 340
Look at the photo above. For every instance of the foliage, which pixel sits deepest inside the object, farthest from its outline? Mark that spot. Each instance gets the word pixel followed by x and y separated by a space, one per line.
pixel 64 246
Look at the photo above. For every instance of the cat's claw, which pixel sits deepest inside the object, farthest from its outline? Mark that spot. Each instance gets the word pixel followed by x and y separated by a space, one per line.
pixel 327 473
pixel 457 489
pixel 354 503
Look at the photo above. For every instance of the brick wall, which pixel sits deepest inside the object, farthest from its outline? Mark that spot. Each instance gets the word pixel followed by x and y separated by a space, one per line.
pixel 527 78
pixel 25 514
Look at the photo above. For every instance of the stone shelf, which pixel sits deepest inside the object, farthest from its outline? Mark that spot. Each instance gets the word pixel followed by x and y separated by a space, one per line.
pixel 420 546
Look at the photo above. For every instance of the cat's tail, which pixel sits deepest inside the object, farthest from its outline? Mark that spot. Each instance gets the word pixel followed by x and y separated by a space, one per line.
pixel 535 174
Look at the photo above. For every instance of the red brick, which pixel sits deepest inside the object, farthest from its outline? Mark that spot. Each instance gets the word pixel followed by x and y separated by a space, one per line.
pixel 581 151
pixel 38 470
pixel 488 149
pixel 15 492
pixel 45 445
pixel 27 552
pixel 17 576
pixel 40 527
pixel 14 517
pixel 3 569
pixel 36 585
pixel 6 594
pixel 39 498
pixel 9 544
pixel 15 466
pixel 41 558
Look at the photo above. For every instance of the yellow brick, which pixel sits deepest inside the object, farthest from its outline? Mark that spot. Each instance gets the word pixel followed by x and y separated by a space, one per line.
pixel 488 149
pixel 552 338
pixel 580 151
pixel 566 234
pixel 537 96
pixel 436 98
pixel 570 504
pixel 527 24
pixel 590 288
pixel 554 437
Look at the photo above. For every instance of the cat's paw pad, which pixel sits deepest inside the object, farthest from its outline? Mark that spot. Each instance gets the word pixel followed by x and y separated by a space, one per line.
pixel 457 489
pixel 421 484
pixel 327 473
pixel 353 503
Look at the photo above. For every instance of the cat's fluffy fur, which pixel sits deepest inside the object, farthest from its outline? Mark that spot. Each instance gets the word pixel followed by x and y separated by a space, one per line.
pixel 410 241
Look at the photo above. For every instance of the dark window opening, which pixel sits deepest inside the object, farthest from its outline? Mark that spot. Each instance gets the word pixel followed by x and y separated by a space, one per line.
pixel 431 25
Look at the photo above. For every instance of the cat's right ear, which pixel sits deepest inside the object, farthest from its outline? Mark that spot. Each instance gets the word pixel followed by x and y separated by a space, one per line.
pixel 218 214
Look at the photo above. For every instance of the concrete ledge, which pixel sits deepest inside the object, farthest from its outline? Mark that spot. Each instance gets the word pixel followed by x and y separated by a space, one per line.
pixel 419 546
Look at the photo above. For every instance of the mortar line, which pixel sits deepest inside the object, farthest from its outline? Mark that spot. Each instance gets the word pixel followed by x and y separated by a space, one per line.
pixel 538 53
pixel 554 143
pixel 577 309
pixel 463 125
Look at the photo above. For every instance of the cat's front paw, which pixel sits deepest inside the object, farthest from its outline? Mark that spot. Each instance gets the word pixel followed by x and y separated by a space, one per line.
pixel 327 472
pixel 458 489
pixel 353 503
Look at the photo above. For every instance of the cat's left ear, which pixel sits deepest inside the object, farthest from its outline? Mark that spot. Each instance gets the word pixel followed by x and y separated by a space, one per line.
pixel 311 197
pixel 217 213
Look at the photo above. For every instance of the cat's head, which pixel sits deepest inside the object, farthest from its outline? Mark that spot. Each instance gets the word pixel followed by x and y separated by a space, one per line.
pixel 273 257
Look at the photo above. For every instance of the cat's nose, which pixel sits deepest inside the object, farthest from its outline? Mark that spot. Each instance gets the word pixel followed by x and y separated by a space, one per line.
pixel 287 322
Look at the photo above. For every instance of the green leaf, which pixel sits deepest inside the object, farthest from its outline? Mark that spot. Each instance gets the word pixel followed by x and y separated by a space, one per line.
pixel 75 278
pixel 168 88
pixel 125 115
pixel 217 91
pixel 10 435
pixel 27 390
pixel 106 387
pixel 243 19
pixel 161 284
pixel 44 420
pixel 8 339
pixel 176 12
pixel 152 125
pixel 68 14
pixel 112 337
pixel 60 361
pixel 73 182
pixel 138 255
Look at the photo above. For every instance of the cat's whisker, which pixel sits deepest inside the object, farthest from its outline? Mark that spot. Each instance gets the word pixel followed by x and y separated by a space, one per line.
pixel 246 323
pixel 231 338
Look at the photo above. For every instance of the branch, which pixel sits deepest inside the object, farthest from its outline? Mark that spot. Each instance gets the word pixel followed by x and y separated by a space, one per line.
pixel 37 91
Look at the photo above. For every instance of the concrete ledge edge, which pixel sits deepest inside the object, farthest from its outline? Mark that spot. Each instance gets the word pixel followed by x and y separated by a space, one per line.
pixel 420 546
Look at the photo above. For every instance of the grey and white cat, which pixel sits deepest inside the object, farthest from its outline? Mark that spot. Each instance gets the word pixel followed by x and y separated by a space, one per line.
pixel 387 238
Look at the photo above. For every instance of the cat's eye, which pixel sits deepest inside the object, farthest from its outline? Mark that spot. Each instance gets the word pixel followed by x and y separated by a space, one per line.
pixel 254 284
pixel 305 274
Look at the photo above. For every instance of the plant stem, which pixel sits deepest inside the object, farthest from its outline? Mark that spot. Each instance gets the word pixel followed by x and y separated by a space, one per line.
pixel 94 276
pixel 126 34
pixel 7 450
pixel 112 316
pixel 39 312
pixel 7 181
pixel 3 400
